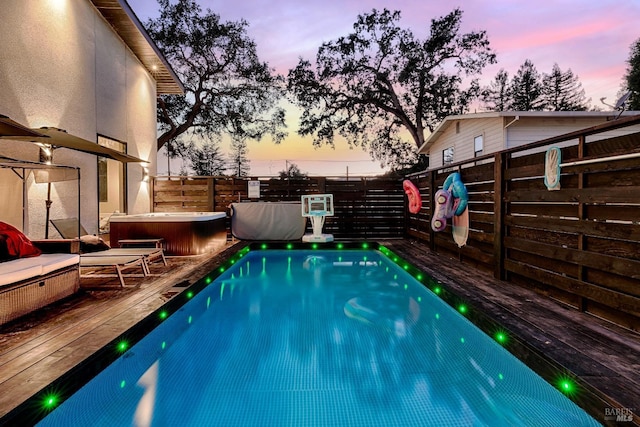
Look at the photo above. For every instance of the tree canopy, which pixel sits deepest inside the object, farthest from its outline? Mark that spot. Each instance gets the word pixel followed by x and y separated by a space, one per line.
pixel 381 87
pixel 227 88
pixel 529 90
pixel 632 77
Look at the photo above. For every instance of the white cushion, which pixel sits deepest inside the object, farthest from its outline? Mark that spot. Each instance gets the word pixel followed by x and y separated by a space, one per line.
pixel 53 262
pixel 19 269
pixel 26 268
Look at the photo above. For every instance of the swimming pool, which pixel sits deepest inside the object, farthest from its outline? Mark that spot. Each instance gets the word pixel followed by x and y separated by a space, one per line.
pixel 303 338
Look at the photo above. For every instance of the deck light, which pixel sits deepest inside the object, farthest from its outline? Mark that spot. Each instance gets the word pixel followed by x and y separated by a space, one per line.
pixel 50 401
pixel 263 246
pixel 501 337
pixel 462 308
pixel 419 277
pixel 221 269
pixel 365 245
pixel 122 346
pixel 289 246
pixel 314 246
pixel 163 314
pixel 207 280
pixel 566 386
pixel 437 290
pixel 340 246
pixel 190 294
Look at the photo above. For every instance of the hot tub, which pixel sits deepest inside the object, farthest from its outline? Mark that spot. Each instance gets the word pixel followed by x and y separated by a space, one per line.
pixel 184 233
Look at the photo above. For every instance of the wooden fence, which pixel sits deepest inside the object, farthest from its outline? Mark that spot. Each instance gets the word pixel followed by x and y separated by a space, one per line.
pixel 364 208
pixel 579 245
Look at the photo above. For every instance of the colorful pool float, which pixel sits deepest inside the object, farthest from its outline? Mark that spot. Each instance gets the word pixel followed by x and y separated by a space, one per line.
pixel 415 201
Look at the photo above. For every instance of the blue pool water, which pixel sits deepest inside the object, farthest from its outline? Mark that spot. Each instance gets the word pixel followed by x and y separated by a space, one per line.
pixel 317 338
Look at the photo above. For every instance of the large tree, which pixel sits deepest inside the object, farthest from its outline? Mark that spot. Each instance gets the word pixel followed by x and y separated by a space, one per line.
pixel 497 96
pixel 206 159
pixel 632 78
pixel 382 88
pixel 238 158
pixel 562 91
pixel 227 88
pixel 526 89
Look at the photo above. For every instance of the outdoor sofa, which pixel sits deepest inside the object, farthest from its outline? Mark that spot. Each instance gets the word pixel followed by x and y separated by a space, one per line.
pixel 34 274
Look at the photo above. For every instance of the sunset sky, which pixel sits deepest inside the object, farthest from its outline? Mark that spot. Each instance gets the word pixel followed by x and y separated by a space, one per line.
pixel 591 37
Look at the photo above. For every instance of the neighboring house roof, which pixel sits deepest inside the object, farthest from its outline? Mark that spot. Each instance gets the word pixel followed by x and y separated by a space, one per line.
pixel 450 120
pixel 126 24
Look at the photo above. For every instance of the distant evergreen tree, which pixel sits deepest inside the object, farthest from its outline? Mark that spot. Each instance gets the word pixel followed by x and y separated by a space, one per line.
pixel 632 78
pixel 562 91
pixel 497 96
pixel 206 160
pixel 238 160
pixel 292 172
pixel 526 89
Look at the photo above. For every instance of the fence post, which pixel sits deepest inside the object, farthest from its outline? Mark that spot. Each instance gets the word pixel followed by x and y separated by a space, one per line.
pixel 499 186
pixel 211 194
pixel 431 179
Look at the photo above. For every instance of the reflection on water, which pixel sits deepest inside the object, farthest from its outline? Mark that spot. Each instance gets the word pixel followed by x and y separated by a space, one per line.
pixel 328 338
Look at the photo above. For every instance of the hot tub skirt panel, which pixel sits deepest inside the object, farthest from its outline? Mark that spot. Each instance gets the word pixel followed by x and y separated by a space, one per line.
pixel 180 237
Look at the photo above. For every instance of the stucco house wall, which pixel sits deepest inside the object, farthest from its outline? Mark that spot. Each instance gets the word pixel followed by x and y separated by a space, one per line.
pixel 63 65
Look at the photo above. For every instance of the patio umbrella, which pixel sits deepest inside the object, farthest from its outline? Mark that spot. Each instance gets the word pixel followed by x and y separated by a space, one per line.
pixel 59 138
pixel 52 138
pixel 10 128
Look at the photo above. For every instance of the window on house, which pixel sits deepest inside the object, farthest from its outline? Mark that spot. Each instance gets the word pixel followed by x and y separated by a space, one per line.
pixel 447 156
pixel 112 179
pixel 478 145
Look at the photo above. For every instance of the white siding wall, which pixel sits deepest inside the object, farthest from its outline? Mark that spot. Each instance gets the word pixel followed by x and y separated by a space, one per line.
pixel 489 128
pixel 61 65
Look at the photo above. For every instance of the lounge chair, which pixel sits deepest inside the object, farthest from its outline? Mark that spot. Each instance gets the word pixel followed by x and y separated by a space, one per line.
pixel 69 229
pixel 119 262
pixel 148 255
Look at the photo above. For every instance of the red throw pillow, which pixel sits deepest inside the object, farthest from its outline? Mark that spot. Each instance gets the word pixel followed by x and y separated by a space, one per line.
pixel 18 244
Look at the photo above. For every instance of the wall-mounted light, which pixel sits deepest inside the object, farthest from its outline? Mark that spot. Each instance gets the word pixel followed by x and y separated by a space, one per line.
pixel 145 174
pixel 46 153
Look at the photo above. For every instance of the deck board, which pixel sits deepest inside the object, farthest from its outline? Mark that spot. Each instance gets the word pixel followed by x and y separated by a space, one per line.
pixel 37 349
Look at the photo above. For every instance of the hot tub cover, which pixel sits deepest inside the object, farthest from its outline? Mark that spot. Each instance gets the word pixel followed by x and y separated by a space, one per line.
pixel 267 221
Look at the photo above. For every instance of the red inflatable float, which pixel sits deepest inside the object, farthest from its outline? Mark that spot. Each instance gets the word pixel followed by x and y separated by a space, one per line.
pixel 415 201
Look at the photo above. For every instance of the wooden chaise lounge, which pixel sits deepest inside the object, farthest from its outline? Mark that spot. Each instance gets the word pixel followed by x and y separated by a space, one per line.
pixel 118 262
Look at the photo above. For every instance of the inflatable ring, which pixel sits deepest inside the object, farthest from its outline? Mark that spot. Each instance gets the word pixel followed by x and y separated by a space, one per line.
pixel 415 201
pixel 454 184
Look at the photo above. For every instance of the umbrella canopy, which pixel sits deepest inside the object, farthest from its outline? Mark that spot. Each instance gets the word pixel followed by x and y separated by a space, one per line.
pixel 10 128
pixel 42 172
pixel 59 138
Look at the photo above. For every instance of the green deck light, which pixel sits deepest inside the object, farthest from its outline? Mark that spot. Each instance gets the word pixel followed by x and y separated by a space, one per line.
pixel 263 246
pixel 314 246
pixel 190 294
pixel 221 269
pixel 566 385
pixel 122 346
pixel 437 290
pixel 419 277
pixel 501 337
pixel 50 401
pixel 340 246
pixel 395 259
pixel 365 245
pixel 207 280
pixel 406 266
pixel 289 246
pixel 462 308
pixel 163 314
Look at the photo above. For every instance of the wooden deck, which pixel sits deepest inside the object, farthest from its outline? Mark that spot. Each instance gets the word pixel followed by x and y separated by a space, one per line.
pixel 37 349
